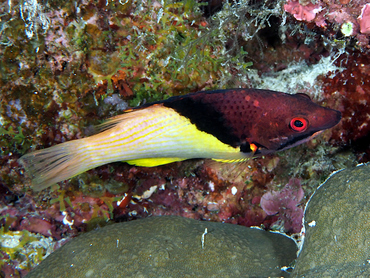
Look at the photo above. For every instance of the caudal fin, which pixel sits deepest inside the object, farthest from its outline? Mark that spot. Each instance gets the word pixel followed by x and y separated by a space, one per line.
pixel 49 166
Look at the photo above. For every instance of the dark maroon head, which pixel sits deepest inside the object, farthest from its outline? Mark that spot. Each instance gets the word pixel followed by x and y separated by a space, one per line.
pixel 289 120
pixel 270 120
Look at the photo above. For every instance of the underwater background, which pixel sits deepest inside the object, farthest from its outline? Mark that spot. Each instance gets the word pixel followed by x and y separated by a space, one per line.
pixel 67 65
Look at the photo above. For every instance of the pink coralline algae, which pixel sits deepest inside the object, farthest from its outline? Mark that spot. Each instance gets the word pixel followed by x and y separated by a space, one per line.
pixel 300 12
pixel 364 19
pixel 352 18
pixel 285 203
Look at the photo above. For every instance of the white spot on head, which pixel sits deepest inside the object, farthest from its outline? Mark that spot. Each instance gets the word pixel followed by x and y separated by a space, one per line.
pixel 234 190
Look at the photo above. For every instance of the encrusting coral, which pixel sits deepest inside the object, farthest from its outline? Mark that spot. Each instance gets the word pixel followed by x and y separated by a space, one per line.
pixel 67 66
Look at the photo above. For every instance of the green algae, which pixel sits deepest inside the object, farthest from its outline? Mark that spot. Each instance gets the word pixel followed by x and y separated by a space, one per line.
pixel 27 249
pixel 61 200
pixel 17 136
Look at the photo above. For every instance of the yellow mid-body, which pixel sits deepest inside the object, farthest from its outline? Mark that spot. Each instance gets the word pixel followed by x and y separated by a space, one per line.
pixel 154 136
pixel 149 137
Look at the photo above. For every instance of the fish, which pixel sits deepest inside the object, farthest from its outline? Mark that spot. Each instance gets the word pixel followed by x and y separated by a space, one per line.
pixel 230 125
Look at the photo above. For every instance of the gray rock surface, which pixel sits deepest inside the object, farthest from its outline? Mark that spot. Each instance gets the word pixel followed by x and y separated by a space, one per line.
pixel 171 246
pixel 337 222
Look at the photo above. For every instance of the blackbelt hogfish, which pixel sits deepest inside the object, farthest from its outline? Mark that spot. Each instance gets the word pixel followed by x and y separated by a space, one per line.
pixel 224 125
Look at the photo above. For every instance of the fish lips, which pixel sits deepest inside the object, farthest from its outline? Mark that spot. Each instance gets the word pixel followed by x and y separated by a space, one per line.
pixel 332 118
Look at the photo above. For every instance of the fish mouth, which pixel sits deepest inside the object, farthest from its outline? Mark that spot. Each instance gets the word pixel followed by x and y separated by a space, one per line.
pixel 262 150
pixel 299 140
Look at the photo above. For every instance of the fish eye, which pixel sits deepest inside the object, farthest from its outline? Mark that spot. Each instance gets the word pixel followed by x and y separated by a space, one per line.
pixel 298 124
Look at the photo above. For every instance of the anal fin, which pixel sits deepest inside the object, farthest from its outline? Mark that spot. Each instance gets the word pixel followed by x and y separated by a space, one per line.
pixel 237 160
pixel 152 162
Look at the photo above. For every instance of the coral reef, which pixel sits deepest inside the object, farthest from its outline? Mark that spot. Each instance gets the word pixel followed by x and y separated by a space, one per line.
pixel 364 19
pixel 66 67
pixel 349 91
pixel 336 225
pixel 171 246
pixel 305 12
pixel 351 18
pixel 286 202
pixel 22 249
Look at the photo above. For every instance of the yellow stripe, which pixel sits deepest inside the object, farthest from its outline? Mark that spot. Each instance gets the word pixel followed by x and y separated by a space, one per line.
pixel 131 135
pixel 155 132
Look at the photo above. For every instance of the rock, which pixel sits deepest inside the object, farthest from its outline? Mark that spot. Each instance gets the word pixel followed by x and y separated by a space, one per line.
pixel 171 246
pixel 337 223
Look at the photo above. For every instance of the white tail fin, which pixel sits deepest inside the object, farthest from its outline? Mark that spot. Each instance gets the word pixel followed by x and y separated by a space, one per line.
pixel 48 166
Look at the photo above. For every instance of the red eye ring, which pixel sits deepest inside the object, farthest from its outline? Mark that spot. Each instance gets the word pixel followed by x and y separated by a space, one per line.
pixel 298 124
